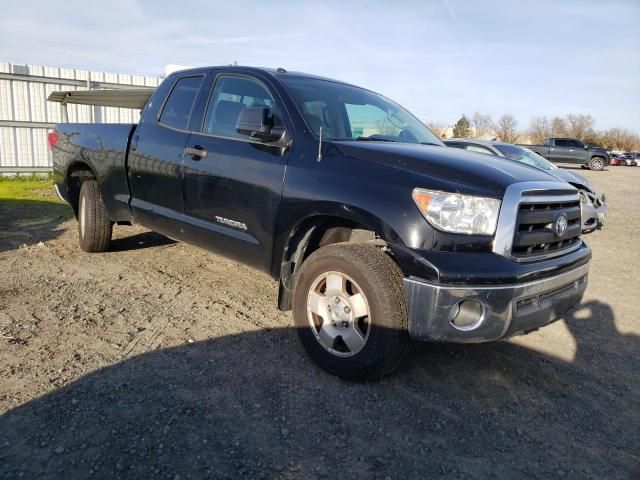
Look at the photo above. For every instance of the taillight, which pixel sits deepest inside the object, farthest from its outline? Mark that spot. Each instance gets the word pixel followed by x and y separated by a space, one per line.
pixel 52 138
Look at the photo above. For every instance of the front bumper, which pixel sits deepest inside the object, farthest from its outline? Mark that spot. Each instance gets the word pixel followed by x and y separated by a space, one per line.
pixel 505 310
pixel 594 211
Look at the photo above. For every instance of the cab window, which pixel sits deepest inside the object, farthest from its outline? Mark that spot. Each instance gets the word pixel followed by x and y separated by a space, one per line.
pixel 231 95
pixel 177 108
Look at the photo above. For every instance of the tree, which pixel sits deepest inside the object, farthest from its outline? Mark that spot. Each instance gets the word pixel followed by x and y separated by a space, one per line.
pixel 482 124
pixel 620 139
pixel 462 128
pixel 579 126
pixel 438 128
pixel 583 127
pixel 539 129
pixel 558 127
pixel 594 138
pixel 506 128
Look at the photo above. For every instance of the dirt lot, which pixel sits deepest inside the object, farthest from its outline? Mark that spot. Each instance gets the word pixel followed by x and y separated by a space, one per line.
pixel 159 360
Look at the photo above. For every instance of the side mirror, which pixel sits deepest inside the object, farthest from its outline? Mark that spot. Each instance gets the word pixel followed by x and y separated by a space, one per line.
pixel 257 122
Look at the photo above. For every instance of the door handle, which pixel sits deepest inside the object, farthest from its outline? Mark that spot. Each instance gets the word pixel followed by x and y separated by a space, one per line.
pixel 134 142
pixel 196 151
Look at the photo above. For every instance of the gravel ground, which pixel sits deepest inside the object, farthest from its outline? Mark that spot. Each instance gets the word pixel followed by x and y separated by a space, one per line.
pixel 160 360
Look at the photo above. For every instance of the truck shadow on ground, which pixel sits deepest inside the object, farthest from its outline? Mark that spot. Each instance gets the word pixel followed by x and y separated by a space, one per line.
pixel 27 222
pixel 252 405
pixel 139 241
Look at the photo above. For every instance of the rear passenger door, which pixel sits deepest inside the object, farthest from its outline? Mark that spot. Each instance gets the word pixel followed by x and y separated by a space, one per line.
pixel 563 150
pixel 232 191
pixel 155 159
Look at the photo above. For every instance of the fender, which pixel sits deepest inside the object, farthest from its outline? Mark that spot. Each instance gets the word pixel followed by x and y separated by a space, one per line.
pixel 349 224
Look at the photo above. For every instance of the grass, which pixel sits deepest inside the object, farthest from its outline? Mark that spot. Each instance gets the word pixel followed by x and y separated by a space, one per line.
pixel 32 187
pixel 30 210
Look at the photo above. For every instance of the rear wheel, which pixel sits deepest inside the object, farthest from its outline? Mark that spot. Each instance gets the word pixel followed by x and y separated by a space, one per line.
pixel 94 225
pixel 596 163
pixel 350 311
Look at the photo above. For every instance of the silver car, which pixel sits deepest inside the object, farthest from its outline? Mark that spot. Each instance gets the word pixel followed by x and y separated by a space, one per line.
pixel 594 206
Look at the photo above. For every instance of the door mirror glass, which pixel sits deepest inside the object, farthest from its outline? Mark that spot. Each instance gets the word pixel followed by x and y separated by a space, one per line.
pixel 259 123
pixel 255 122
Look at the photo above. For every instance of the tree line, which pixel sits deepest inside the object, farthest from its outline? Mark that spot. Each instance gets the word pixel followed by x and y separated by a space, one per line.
pixel 505 129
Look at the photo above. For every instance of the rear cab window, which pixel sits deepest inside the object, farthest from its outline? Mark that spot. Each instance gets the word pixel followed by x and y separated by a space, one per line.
pixel 177 108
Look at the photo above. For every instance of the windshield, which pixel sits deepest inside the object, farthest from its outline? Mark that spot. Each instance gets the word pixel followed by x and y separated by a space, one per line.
pixel 524 155
pixel 350 113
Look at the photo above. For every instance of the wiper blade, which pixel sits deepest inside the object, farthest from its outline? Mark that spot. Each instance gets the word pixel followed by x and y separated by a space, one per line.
pixel 431 143
pixel 373 139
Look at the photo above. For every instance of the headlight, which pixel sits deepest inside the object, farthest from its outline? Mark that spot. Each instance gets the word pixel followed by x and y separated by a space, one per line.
pixel 453 212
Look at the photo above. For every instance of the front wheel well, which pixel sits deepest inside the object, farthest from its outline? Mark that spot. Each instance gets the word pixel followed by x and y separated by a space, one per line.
pixel 312 235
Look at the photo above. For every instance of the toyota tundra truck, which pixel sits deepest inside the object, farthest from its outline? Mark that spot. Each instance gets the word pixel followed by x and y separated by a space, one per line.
pixel 376 233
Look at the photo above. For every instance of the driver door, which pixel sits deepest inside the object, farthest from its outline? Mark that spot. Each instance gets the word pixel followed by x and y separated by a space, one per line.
pixel 232 184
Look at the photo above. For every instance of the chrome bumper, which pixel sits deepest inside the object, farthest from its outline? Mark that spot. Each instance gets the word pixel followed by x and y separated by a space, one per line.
pixel 505 310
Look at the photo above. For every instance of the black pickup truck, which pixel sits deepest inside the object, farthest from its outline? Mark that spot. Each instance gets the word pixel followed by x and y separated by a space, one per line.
pixel 375 231
pixel 571 150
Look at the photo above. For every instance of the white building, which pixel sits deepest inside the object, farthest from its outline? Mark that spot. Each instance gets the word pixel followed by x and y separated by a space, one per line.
pixel 25 114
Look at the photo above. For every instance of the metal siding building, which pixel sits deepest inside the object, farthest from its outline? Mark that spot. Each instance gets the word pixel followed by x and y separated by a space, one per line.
pixel 25 114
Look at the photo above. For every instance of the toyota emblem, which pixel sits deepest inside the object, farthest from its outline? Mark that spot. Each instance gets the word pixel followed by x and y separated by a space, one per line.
pixel 561 225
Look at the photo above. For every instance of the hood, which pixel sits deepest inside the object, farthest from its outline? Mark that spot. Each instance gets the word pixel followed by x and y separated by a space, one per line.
pixel 575 179
pixel 598 149
pixel 450 169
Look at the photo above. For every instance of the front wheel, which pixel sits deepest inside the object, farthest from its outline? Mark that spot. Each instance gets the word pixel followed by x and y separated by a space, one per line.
pixel 94 226
pixel 596 163
pixel 350 311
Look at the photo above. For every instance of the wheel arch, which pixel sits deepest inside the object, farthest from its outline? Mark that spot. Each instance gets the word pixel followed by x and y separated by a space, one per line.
pixel 77 172
pixel 316 231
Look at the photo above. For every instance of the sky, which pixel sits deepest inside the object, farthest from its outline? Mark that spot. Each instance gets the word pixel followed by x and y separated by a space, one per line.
pixel 438 58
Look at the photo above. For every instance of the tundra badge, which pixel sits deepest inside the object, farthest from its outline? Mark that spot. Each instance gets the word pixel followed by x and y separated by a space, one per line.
pixel 231 223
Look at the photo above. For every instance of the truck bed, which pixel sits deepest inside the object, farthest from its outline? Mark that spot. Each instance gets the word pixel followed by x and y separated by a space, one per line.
pixel 104 148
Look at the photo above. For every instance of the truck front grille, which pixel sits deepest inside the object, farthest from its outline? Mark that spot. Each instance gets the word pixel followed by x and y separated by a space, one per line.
pixel 540 229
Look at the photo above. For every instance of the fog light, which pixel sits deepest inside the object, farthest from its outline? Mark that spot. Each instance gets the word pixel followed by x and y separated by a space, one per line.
pixel 467 315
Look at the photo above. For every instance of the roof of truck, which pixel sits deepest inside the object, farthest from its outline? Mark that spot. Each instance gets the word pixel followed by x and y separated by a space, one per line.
pixel 137 97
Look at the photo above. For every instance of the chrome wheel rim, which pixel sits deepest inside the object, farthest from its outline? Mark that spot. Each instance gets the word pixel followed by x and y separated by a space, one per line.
pixel 338 314
pixel 597 164
pixel 82 215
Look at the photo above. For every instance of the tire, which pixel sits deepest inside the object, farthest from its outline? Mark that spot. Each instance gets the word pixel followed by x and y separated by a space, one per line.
pixel 94 225
pixel 370 302
pixel 596 163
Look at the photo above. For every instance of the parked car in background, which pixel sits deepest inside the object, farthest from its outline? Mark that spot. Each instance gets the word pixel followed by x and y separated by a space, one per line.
pixel 571 150
pixel 617 159
pixel 636 158
pixel 629 159
pixel 594 206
